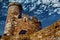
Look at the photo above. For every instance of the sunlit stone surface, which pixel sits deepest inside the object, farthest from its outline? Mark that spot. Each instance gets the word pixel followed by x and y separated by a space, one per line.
pixel 49 33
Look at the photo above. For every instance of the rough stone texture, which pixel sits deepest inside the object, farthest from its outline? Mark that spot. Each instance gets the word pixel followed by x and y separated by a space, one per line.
pixel 49 33
pixel 13 12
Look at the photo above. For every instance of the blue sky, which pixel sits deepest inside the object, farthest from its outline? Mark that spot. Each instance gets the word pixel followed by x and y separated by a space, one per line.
pixel 47 11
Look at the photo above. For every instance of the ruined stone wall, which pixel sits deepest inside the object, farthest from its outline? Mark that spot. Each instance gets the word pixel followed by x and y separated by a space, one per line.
pixel 49 33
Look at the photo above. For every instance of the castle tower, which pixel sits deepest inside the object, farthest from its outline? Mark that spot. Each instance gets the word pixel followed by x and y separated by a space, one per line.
pixel 18 25
pixel 13 13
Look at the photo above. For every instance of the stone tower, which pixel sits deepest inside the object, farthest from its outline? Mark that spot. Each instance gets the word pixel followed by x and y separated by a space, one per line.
pixel 18 24
pixel 13 13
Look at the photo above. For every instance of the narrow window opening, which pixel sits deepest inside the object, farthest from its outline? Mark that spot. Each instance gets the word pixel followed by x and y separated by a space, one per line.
pixel 20 15
pixel 5 34
pixel 56 26
pixel 22 32
pixel 0 36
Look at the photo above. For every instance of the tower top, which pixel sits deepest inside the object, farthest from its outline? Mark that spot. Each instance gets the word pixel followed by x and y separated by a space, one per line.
pixel 15 4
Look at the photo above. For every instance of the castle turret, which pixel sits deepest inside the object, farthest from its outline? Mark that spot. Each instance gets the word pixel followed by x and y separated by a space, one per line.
pixel 13 13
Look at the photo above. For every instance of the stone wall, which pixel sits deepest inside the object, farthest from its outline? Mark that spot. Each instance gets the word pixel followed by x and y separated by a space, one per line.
pixel 49 33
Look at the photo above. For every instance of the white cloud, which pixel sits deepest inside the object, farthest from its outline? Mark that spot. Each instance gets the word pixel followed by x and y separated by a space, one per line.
pixel 54 1
pixel 58 10
pixel 24 8
pixel 50 13
pixel 28 1
pixel 46 1
pixel 38 12
pixel 33 7
pixel 56 5
pixel 5 7
pixel 38 2
pixel 55 10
